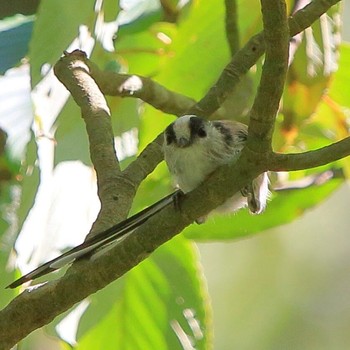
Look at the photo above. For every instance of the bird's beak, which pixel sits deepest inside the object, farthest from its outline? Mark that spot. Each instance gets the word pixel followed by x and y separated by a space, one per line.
pixel 183 142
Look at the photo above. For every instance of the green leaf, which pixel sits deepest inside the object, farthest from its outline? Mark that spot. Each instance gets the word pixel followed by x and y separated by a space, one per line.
pixel 56 26
pixel 284 207
pixel 185 70
pixel 340 89
pixel 110 9
pixel 144 52
pixel 161 300
pixel 71 128
pixel 30 182
pixel 313 65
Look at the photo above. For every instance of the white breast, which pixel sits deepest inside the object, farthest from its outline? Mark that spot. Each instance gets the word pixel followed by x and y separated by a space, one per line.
pixel 190 166
pixel 187 167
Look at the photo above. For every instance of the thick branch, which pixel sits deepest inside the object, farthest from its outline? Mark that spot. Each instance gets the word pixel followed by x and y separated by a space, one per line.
pixel 266 103
pixel 126 85
pixel 35 308
pixel 115 191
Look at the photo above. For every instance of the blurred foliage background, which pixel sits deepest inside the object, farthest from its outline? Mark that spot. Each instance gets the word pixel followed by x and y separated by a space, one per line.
pixel 286 288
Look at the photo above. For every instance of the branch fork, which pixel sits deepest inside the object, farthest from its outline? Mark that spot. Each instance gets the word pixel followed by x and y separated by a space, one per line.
pixel 117 188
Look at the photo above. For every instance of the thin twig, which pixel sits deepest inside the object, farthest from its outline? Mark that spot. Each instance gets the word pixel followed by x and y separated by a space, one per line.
pixel 231 25
pixel 146 162
pixel 310 159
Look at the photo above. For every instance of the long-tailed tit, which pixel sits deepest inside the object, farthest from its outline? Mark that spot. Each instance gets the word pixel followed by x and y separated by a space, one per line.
pixel 193 148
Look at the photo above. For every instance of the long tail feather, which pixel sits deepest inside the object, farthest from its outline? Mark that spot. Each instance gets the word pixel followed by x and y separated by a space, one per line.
pixel 104 238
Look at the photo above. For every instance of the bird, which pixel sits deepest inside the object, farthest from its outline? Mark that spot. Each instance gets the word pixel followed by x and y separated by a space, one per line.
pixel 193 148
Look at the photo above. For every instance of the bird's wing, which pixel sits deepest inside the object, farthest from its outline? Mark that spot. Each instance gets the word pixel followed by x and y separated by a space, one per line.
pixel 256 191
pixel 236 128
pixel 100 240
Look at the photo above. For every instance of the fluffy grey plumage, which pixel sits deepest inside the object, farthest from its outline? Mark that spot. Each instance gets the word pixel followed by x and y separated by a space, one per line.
pixel 194 148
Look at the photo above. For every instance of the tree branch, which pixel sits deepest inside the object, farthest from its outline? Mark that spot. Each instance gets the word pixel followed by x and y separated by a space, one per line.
pixel 170 102
pixel 303 18
pixel 127 85
pixel 115 191
pixel 310 159
pixel 38 306
pixel 231 23
pixel 266 103
pixel 35 308
pixel 146 162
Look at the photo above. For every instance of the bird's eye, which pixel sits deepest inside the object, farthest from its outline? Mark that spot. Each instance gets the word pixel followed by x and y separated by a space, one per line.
pixel 201 133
